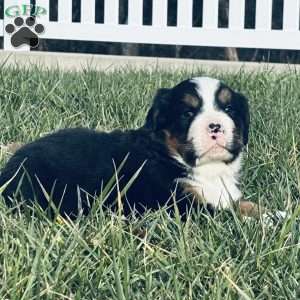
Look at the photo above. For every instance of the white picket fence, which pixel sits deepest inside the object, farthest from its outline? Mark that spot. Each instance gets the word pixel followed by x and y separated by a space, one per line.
pixel 159 33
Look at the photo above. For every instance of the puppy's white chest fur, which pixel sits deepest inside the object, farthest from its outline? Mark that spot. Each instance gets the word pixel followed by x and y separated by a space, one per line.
pixel 216 183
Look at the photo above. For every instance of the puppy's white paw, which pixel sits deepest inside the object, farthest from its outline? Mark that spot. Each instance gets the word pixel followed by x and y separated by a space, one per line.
pixel 273 218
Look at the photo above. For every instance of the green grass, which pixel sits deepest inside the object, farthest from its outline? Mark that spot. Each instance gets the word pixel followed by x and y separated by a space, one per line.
pixel 103 257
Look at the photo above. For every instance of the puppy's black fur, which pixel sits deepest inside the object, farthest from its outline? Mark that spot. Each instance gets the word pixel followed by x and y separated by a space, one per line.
pixel 79 162
pixel 84 158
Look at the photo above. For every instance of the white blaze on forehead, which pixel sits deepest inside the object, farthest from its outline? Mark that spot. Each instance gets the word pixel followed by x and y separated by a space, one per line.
pixel 206 87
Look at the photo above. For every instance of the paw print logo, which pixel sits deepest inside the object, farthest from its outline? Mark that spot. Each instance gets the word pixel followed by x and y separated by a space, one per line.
pixel 25 32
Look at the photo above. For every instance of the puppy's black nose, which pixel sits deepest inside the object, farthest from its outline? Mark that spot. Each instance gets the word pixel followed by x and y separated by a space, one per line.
pixel 214 127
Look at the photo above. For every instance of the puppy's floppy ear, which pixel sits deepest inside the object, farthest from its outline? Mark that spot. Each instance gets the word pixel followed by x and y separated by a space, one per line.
pixel 157 116
pixel 245 115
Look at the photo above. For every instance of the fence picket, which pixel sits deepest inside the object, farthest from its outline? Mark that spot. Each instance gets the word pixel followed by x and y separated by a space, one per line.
pixel 264 15
pixel 159 13
pixel 159 33
pixel 236 14
pixel 210 14
pixel 65 11
pixel 88 8
pixel 185 13
pixel 111 12
pixel 291 15
pixel 135 12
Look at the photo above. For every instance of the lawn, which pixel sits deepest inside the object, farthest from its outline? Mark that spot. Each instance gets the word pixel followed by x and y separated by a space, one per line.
pixel 102 256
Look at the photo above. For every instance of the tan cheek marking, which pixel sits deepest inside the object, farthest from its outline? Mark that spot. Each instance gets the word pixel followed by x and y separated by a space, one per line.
pixel 191 101
pixel 177 148
pixel 225 95
pixel 171 142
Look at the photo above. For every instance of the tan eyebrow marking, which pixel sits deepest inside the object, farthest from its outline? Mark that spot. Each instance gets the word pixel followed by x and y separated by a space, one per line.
pixel 190 100
pixel 225 95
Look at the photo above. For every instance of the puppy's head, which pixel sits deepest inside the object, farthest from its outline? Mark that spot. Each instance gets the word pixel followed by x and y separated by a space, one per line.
pixel 202 120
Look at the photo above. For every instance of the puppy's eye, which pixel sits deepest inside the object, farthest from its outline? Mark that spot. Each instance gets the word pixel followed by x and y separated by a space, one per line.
pixel 228 108
pixel 188 114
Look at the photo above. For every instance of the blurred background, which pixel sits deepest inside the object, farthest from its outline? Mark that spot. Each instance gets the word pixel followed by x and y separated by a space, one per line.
pixel 195 52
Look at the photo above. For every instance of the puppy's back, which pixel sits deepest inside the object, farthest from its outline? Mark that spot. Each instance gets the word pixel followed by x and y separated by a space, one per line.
pixel 59 162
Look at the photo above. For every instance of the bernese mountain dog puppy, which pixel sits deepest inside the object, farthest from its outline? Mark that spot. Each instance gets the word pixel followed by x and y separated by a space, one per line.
pixel 189 151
